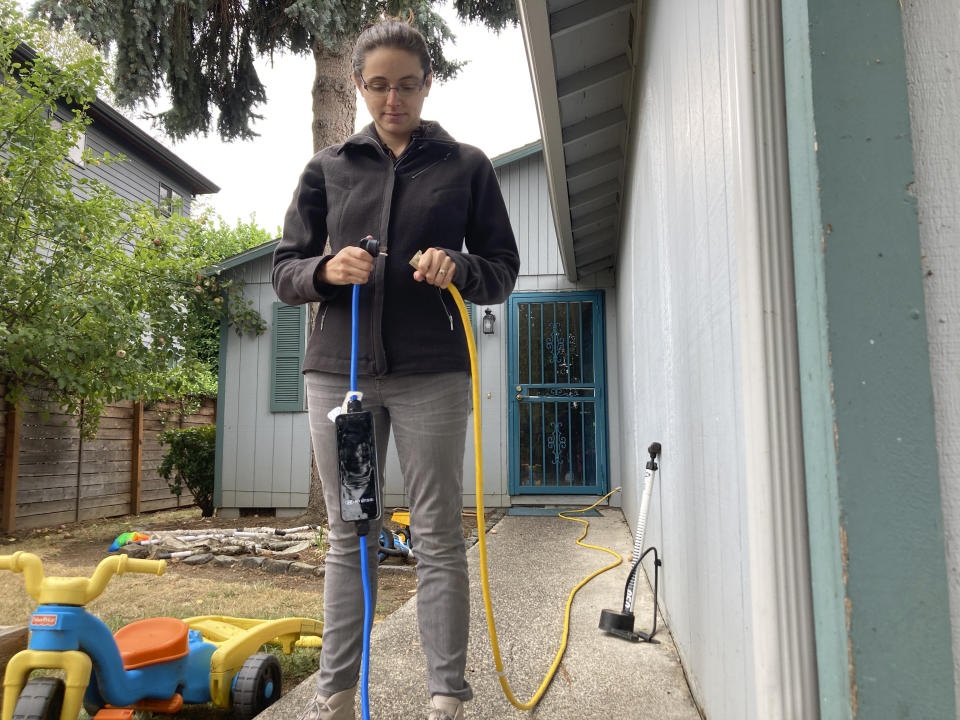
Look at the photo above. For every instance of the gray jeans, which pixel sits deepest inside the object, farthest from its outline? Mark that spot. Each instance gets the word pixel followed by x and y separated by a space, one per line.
pixel 428 414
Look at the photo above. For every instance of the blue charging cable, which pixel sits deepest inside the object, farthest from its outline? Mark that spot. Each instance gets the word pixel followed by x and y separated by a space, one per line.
pixel 362 530
pixel 367 625
pixel 363 527
pixel 354 311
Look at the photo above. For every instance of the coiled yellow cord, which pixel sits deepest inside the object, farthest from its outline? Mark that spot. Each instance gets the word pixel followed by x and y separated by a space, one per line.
pixel 484 576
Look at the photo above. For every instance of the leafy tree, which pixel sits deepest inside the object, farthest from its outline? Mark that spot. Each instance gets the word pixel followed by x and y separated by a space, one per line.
pixel 203 52
pixel 99 300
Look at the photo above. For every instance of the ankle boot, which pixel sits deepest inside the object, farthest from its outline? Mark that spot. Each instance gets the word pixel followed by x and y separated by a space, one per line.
pixel 445 708
pixel 338 706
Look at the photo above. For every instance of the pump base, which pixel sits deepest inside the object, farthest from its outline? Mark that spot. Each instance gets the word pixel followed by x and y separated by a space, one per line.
pixel 620 624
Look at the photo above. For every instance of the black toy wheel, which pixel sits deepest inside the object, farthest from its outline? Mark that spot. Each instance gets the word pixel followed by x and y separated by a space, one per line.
pixel 257 686
pixel 40 699
pixel 92 701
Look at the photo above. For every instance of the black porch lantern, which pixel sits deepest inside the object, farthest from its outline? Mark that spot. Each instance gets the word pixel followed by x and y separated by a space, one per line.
pixel 488 321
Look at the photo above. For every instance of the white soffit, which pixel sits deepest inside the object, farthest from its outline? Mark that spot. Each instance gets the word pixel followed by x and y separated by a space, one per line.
pixel 581 63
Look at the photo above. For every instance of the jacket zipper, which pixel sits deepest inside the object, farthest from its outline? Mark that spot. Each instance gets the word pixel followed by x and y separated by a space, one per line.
pixel 376 338
pixel 445 309
pixel 323 315
pixel 431 165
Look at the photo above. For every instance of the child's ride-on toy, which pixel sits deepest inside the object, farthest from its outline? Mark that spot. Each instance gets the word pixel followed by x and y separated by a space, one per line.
pixel 157 664
pixel 399 543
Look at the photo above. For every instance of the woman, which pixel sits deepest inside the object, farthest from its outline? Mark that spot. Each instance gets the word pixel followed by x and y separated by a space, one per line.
pixel 411 186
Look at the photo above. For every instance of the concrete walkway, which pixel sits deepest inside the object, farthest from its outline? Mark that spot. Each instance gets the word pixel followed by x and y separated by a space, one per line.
pixel 534 563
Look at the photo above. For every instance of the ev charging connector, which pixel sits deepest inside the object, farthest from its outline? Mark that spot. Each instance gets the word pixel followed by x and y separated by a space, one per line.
pixel 619 623
pixel 360 500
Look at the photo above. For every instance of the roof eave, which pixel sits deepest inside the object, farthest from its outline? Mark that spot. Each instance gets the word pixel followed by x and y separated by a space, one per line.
pixel 106 115
pixel 244 257
pixel 535 24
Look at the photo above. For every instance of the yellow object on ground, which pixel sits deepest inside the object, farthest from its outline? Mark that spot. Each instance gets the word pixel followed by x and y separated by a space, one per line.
pixel 76 664
pixel 239 638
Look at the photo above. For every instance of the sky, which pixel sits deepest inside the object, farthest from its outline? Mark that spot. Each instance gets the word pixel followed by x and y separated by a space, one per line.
pixel 489 104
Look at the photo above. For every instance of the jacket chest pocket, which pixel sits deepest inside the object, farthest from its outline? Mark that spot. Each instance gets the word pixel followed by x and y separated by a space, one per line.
pixel 354 211
pixel 448 214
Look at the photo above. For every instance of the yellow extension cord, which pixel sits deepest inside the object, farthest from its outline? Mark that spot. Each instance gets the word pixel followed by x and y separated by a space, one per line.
pixel 484 576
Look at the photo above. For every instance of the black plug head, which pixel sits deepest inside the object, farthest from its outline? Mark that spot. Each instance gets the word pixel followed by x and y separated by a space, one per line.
pixel 371 245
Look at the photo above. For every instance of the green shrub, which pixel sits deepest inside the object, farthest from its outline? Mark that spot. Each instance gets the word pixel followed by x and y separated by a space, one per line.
pixel 190 462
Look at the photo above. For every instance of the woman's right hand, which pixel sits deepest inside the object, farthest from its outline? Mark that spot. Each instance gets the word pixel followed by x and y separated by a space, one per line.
pixel 350 266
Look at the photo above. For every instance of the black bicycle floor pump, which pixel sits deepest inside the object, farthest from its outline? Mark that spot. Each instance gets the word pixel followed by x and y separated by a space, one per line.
pixel 620 622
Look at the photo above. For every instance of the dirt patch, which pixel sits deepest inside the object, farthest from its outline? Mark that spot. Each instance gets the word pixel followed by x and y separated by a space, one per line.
pixel 74 549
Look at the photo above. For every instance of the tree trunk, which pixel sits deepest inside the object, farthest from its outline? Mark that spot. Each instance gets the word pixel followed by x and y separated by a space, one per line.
pixel 334 112
pixel 334 95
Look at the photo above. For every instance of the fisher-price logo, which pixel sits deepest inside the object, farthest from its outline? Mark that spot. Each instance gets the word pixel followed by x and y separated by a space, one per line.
pixel 44 620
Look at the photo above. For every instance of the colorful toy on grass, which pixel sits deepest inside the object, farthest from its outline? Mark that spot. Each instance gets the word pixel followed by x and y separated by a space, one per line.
pixel 155 665
pixel 126 538
pixel 399 543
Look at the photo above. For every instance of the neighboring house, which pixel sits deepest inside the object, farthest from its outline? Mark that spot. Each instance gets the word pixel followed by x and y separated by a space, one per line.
pixel 149 173
pixel 750 174
pixel 49 475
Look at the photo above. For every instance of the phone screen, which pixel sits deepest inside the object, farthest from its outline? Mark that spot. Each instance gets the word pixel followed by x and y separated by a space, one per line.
pixel 359 478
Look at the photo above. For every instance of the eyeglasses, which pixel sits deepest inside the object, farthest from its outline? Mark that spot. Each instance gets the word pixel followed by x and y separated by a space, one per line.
pixel 406 88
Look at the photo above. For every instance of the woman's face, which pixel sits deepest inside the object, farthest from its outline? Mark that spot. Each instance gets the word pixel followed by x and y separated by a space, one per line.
pixel 396 113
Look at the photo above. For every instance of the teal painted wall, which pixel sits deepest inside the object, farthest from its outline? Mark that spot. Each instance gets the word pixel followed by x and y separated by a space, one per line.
pixel 877 546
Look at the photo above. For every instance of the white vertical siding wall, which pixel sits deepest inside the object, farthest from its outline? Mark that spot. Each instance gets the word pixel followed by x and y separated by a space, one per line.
pixel 679 343
pixel 266 456
pixel 933 68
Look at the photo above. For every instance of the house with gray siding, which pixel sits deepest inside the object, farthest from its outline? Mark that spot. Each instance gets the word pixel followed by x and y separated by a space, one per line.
pixel 741 239
pixel 263 434
pixel 769 187
pixel 149 172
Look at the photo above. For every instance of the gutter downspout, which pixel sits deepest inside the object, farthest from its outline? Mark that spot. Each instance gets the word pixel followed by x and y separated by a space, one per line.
pixel 781 606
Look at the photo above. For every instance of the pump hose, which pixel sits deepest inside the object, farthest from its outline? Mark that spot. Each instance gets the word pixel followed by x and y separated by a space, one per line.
pixel 482 538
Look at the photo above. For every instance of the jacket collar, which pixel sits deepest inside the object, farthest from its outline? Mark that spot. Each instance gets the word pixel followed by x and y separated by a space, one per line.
pixel 429 131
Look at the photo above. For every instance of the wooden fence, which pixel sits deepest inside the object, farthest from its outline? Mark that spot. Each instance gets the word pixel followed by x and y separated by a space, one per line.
pixel 52 475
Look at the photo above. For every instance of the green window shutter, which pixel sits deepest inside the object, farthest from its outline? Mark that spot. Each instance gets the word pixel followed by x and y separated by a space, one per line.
pixel 286 378
pixel 469 306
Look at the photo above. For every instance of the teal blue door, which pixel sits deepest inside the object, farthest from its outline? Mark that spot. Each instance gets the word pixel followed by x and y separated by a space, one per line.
pixel 557 407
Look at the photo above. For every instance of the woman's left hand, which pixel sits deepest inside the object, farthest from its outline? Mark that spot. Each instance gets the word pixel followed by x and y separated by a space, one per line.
pixel 435 268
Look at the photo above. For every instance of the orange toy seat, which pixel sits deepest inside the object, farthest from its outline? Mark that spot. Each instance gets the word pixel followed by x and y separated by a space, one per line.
pixel 150 641
pixel 114 714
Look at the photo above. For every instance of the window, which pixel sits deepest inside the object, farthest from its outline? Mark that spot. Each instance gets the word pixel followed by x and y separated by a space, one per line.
pixel 169 200
pixel 286 376
pixel 76 152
